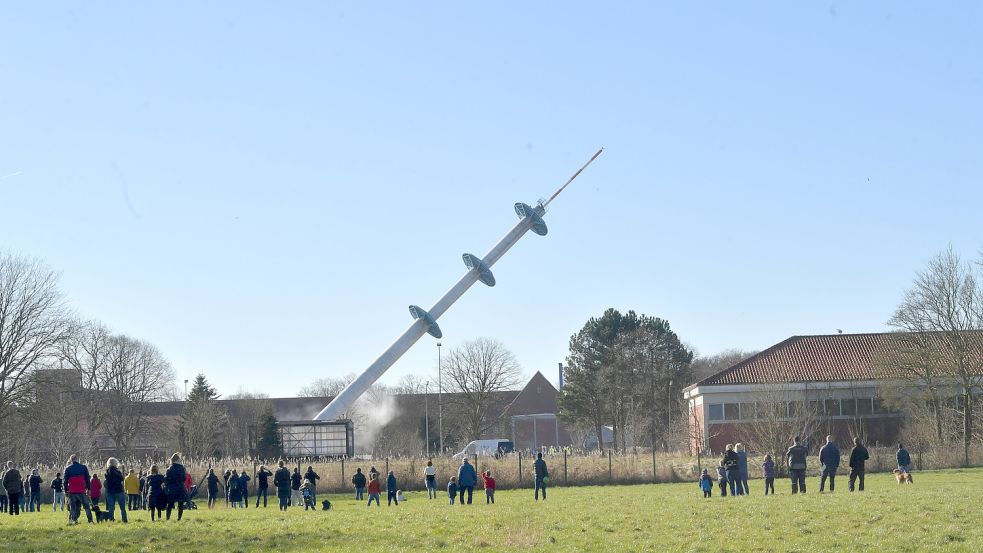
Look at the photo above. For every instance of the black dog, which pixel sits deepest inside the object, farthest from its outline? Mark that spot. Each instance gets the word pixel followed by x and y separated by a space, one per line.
pixel 100 516
pixel 325 505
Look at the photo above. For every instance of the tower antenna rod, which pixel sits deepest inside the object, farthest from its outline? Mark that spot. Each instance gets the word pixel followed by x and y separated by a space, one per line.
pixel 530 218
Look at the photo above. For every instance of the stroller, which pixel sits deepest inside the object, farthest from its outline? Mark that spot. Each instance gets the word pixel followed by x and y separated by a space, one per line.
pixel 189 501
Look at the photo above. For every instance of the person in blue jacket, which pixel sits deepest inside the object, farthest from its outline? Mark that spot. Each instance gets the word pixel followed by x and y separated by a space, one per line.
pixel 542 475
pixel 829 458
pixel 904 459
pixel 391 489
pixel 466 479
pixel 742 474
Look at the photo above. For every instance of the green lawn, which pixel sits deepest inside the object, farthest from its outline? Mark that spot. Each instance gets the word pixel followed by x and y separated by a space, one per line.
pixel 943 511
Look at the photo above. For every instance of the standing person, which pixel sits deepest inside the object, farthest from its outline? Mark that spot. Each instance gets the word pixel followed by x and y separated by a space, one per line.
pixel 904 460
pixel 296 498
pixel 742 469
pixel 281 480
pixel 829 458
pixel 235 489
pixel 115 490
pixel 313 477
pixel 489 484
pixel 430 479
pixel 156 496
pixel 706 484
pixel 225 480
pixel 732 465
pixel 542 475
pixel 768 468
pixel 391 488
pixel 34 483
pixel 14 484
pixel 95 489
pixel 466 479
pixel 262 484
pixel 174 478
pixel 3 497
pixel 244 485
pixel 375 489
pixel 796 456
pixel 25 496
pixel 211 482
pixel 358 480
pixel 143 490
pixel 131 484
pixel 58 491
pixel 858 458
pixel 77 485
pixel 452 489
pixel 722 478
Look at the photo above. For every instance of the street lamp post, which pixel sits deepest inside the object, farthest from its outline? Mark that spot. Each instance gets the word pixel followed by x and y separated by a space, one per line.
pixel 440 405
pixel 426 402
pixel 669 403
pixel 185 389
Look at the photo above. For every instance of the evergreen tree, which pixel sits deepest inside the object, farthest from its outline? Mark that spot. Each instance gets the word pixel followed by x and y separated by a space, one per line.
pixel 202 421
pixel 269 445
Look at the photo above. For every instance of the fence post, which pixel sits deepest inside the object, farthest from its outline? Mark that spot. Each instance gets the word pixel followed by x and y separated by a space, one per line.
pixel 655 472
pixel 609 466
pixel 342 472
pixel 387 466
pixel 564 467
pixel 519 483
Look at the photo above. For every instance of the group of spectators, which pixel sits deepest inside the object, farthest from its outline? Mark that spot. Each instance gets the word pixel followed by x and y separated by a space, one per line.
pixel 291 489
pixel 732 471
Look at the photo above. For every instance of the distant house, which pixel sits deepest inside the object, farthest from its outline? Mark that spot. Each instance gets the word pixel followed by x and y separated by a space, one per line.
pixel 814 385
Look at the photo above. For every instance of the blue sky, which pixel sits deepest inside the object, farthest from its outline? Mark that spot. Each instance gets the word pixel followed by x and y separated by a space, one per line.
pixel 261 190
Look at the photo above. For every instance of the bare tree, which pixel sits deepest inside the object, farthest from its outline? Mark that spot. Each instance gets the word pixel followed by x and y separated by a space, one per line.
pixel 32 322
pixel 945 305
pixel 778 416
pixel 247 413
pixel 708 365
pixel 477 371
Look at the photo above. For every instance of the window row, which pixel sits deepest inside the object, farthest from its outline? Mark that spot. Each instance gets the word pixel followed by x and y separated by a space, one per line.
pixel 798 409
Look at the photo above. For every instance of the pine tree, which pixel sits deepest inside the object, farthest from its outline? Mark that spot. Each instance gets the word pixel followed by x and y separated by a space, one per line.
pixel 269 445
pixel 202 420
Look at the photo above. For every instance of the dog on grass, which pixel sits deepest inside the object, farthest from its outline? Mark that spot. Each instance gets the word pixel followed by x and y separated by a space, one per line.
pixel 902 476
pixel 325 505
pixel 100 516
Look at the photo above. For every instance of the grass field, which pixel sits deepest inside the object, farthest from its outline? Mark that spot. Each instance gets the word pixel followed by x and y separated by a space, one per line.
pixel 943 511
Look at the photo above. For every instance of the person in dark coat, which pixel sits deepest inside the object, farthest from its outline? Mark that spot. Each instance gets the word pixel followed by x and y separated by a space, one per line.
pixel 313 477
pixel 732 464
pixel 115 492
pixel 262 484
pixel 742 472
pixel 244 484
pixel 466 480
pixel 796 456
pixel 77 483
pixel 281 481
pixel 212 482
pixel 235 489
pixel 858 459
pixel 829 458
pixel 391 489
pixel 13 482
pixel 34 483
pixel 58 493
pixel 904 459
pixel 296 499
pixel 174 478
pixel 359 481
pixel 541 473
pixel 156 495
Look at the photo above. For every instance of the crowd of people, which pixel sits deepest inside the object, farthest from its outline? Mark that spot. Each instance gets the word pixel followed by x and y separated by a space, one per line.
pixel 161 493
pixel 732 471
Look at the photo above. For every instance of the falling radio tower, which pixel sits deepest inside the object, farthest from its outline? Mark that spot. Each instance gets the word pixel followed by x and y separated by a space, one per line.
pixel 425 321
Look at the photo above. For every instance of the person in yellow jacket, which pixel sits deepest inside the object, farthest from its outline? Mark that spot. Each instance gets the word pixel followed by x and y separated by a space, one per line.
pixel 131 485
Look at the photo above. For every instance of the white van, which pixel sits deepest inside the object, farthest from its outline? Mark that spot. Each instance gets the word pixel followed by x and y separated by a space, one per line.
pixel 485 447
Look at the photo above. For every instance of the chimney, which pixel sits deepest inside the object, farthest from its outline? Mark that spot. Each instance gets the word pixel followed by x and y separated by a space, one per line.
pixel 561 375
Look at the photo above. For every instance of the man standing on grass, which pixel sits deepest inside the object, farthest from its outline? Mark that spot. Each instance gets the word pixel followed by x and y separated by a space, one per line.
pixel 904 459
pixel 796 456
pixel 263 484
pixel 244 484
pixel 829 457
pixel 77 486
pixel 858 457
pixel 542 475
pixel 466 479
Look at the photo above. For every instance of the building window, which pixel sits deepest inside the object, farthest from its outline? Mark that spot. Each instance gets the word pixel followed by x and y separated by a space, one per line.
pixel 848 407
pixel 732 411
pixel 716 411
pixel 833 407
pixel 816 408
pixel 748 411
pixel 865 406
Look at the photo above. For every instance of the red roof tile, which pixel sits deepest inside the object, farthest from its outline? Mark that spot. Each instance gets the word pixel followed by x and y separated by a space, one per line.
pixel 817 359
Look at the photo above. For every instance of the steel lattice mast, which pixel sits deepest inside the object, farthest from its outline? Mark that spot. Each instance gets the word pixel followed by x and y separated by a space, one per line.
pixel 426 321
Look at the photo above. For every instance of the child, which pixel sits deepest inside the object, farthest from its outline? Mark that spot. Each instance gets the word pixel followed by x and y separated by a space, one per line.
pixel 452 488
pixel 307 490
pixel 374 489
pixel 706 484
pixel 489 487
pixel 769 469
pixel 400 496
pixel 722 479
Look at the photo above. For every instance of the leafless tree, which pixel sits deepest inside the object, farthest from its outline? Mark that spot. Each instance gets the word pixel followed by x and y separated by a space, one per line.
pixel 778 416
pixel 708 365
pixel 477 371
pixel 32 321
pixel 204 423
pixel 246 414
pixel 945 305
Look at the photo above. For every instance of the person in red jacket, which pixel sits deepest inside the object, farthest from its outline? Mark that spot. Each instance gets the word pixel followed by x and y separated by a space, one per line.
pixel 188 482
pixel 95 489
pixel 375 489
pixel 489 487
pixel 77 484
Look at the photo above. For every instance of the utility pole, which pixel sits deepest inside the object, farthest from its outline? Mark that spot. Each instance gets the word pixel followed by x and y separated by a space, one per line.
pixel 440 407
